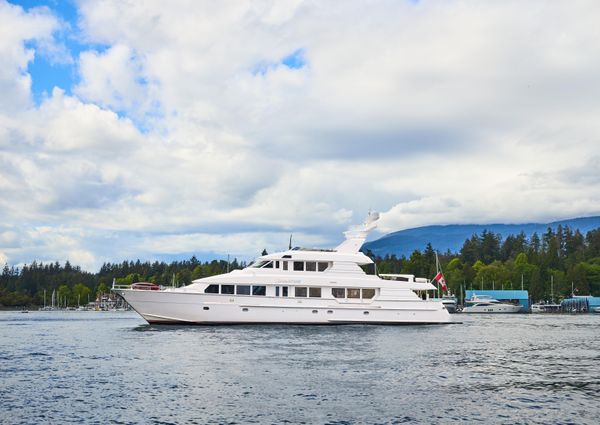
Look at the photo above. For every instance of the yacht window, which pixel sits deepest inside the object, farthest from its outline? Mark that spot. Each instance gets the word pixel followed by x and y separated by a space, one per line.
pixel 314 292
pixel 287 256
pixel 269 265
pixel 284 265
pixel 299 266
pixel 323 266
pixel 368 293
pixel 227 289
pixel 259 264
pixel 284 291
pixel 311 266
pixel 243 289
pixel 300 291
pixel 277 291
pixel 338 292
pixel 259 290
pixel 276 264
pixel 353 293
pixel 212 289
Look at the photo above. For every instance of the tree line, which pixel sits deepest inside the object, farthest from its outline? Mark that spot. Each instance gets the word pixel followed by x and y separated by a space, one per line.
pixel 29 284
pixel 566 258
pixel 485 261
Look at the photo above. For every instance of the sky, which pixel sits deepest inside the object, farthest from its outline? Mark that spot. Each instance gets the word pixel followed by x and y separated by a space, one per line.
pixel 160 130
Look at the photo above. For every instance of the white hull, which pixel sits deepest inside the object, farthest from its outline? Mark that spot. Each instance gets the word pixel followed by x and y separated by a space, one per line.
pixel 199 308
pixel 496 308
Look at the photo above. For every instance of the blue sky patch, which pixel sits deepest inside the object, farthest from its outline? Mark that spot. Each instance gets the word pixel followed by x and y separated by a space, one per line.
pixel 295 60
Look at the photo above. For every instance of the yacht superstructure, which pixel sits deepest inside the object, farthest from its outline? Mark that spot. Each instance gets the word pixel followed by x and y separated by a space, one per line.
pixel 300 286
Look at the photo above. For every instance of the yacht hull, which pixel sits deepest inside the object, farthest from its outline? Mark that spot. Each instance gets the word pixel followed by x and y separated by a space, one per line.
pixel 171 307
pixel 498 308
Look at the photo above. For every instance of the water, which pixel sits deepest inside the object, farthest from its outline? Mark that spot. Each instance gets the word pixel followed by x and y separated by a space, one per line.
pixel 94 367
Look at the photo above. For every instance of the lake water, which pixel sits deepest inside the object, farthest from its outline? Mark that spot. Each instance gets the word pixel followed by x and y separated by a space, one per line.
pixel 98 367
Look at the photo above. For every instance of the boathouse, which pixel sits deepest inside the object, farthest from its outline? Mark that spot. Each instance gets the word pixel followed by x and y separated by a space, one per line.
pixel 512 296
pixel 580 304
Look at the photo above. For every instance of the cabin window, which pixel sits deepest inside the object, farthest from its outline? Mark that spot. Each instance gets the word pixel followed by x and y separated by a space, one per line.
pixel 243 289
pixel 212 289
pixel 311 266
pixel 227 289
pixel 300 291
pixel 368 293
pixel 284 265
pixel 259 264
pixel 353 293
pixel 269 265
pixel 284 291
pixel 276 264
pixel 315 311
pixel 314 292
pixel 323 266
pixel 338 292
pixel 277 291
pixel 259 290
pixel 298 266
pixel 205 308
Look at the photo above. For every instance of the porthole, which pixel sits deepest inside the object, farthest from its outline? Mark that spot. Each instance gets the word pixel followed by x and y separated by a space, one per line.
pixel 365 313
pixel 205 308
pixel 329 311
pixel 315 311
pixel 244 309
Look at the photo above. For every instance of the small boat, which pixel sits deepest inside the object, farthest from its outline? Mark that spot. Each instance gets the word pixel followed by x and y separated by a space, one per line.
pixel 487 304
pixel 545 308
pixel 596 309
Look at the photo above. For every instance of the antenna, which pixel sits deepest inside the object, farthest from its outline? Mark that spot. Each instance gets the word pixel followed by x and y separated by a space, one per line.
pixel 290 246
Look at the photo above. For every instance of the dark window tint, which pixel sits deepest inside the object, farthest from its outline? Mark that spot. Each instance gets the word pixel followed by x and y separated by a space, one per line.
pixel 298 266
pixel 300 291
pixel 323 266
pixel 259 290
pixel 277 291
pixel 269 265
pixel 284 291
pixel 243 289
pixel 338 292
pixel 276 264
pixel 353 293
pixel 368 293
pixel 284 265
pixel 314 292
pixel 311 266
pixel 227 289
pixel 212 289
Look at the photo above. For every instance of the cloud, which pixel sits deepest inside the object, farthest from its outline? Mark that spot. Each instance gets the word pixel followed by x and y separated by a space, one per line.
pixel 218 127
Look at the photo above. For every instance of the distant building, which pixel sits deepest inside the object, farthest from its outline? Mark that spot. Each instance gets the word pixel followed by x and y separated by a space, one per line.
pixel 511 296
pixel 580 304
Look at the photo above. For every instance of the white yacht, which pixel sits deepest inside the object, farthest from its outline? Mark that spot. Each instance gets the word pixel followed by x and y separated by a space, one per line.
pixel 298 286
pixel 487 304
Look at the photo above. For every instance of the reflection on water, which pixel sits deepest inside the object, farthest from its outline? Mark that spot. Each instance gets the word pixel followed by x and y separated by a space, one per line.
pixel 101 367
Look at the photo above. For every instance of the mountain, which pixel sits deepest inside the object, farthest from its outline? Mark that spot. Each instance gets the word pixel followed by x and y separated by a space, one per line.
pixel 452 236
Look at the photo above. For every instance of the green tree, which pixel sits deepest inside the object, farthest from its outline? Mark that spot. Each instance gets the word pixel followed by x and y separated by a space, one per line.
pixel 64 295
pixel 80 293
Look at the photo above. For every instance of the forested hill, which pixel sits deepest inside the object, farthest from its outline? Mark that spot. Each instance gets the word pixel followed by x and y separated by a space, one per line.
pixel 452 237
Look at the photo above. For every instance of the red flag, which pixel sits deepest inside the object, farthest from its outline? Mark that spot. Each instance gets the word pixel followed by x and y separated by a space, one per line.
pixel 440 278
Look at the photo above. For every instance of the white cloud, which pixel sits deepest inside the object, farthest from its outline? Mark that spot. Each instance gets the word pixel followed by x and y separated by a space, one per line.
pixel 186 131
pixel 16 28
